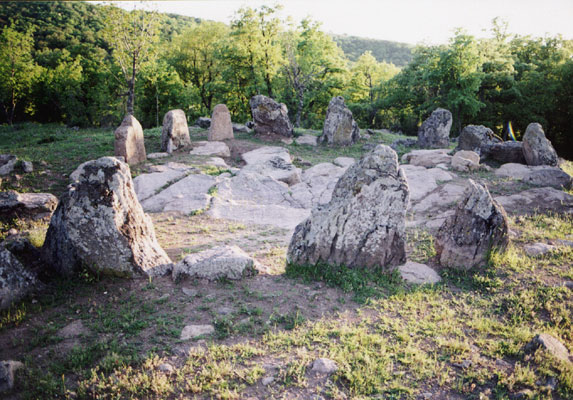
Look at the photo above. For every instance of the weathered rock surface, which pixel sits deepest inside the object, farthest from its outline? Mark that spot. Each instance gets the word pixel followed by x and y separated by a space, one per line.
pixel 363 225
pixel 538 249
pixel 27 205
pixel 156 156
pixel 423 181
pixel 551 345
pixel 309 140
pixel 340 129
pixel 344 162
pixel 203 122
pixel 149 185
pixel 505 152
pixel 7 163
pixel 541 175
pixel 221 262
pixel 15 281
pixel 195 331
pixel 27 166
pixel 240 128
pixel 100 225
pixel 474 137
pixel 7 370
pixel 271 161
pixel 221 127
pixel 270 117
pixel 537 200
pixel 186 195
pixel 129 142
pixel 324 366
pixel 73 330
pixel 396 144
pixel 537 149
pixel 317 184
pixel 417 273
pixel 175 132
pixel 217 149
pixel 427 158
pixel 479 224
pixel 444 196
pixel 465 161
pixel 434 133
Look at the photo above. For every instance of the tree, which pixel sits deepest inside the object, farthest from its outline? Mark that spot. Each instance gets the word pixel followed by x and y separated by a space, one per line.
pixel 132 36
pixel 18 70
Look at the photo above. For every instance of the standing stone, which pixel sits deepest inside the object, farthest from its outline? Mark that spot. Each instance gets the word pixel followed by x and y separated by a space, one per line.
pixel 479 224
pixel 364 223
pixel 473 137
pixel 129 141
pixel 15 281
pixel 339 126
pixel 537 149
pixel 435 131
pixel 221 127
pixel 175 132
pixel 100 225
pixel 270 117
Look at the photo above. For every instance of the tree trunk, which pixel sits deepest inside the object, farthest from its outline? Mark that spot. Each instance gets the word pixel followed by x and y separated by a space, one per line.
pixel 131 90
pixel 300 106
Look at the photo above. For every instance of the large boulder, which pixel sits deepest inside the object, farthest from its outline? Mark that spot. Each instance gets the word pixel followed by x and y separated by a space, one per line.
pixel 537 149
pixel 15 281
pixel 26 205
pixel 271 118
pixel 221 127
pixel 435 130
pixel 129 141
pixel 175 132
pixel 100 225
pixel 504 152
pixel 541 175
pixel 473 137
pixel 478 224
pixel 363 224
pixel 339 126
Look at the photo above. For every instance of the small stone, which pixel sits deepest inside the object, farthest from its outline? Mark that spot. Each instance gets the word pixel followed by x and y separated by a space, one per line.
pixel 550 344
pixel 155 156
pixel 7 369
pixel 308 140
pixel 175 132
pixel 217 149
pixel 465 161
pixel 344 162
pixel 73 330
pixel 203 122
pixel 465 364
pixel 225 261
pixel 195 331
pixel 166 368
pixel 224 311
pixel 538 249
pixel 27 166
pixel 190 292
pixel 267 380
pixel 7 163
pixel 414 272
pixel 324 366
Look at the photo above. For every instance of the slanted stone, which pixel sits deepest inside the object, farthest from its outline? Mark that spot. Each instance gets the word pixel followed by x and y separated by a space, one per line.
pixel 221 127
pixel 15 281
pixel 474 137
pixel 434 133
pixel 340 129
pixel 100 225
pixel 175 132
pixel 478 225
pixel 427 158
pixel 27 205
pixel 270 117
pixel 7 164
pixel 541 175
pixel 417 273
pixel 537 149
pixel 217 149
pixel 363 224
pixel 129 142
pixel 465 161
pixel 317 184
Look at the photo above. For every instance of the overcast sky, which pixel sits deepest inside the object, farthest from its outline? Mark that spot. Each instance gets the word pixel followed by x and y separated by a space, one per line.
pixel 410 21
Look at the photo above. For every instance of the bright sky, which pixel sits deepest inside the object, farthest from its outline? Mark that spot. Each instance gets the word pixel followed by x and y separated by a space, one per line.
pixel 410 21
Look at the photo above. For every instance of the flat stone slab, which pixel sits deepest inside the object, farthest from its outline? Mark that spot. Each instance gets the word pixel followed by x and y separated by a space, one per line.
pixel 344 162
pixel 538 249
pixel 186 195
pixel 155 156
pixel 444 196
pixel 196 331
pixel 217 162
pixel 427 158
pixel 317 185
pixel 308 140
pixel 537 200
pixel 417 273
pixel 266 153
pixel 149 185
pixel 542 175
pixel 217 149
pixel 422 181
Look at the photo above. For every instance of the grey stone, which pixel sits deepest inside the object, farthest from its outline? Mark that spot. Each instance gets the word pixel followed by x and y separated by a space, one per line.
pixel 27 166
pixel 195 331
pixel 423 181
pixel 217 162
pixel 317 184
pixel 309 140
pixel 221 127
pixel 465 161
pixel 435 130
pixel 551 345
pixel 340 129
pixel 270 117
pixel 474 137
pixel 7 164
pixel 427 158
pixel 156 156
pixel 149 185
pixel 324 366
pixel 414 272
pixel 203 122
pixel 444 196
pixel 542 175
pixel 129 142
pixel 15 281
pixel 175 132
pixel 240 128
pixel 537 149
pixel 7 370
pixel 166 368
pixel 504 152
pixel 267 380
pixel 217 149
pixel 190 292
pixel 537 249
pixel 220 262
pixel 478 225
pixel 73 330
pixel 271 161
pixel 26 205
pixel 363 224
pixel 396 144
pixel 537 200
pixel 344 162
pixel 99 224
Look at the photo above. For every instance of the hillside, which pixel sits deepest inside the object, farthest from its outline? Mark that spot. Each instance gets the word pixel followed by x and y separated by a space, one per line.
pixel 399 54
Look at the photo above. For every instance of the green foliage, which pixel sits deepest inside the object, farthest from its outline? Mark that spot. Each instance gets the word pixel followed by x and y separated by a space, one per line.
pixel 399 54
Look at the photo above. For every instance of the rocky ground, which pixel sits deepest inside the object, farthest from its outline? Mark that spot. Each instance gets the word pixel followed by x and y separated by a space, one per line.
pixel 261 337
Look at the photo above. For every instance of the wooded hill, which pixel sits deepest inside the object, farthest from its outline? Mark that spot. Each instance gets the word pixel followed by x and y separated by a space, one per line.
pixel 399 54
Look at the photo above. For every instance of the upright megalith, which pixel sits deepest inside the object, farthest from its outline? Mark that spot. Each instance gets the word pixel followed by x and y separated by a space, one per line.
pixel 478 225
pixel 537 149
pixel 474 137
pixel 99 225
pixel 175 132
pixel 129 141
pixel 435 130
pixel 221 126
pixel 363 225
pixel 339 126
pixel 270 117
